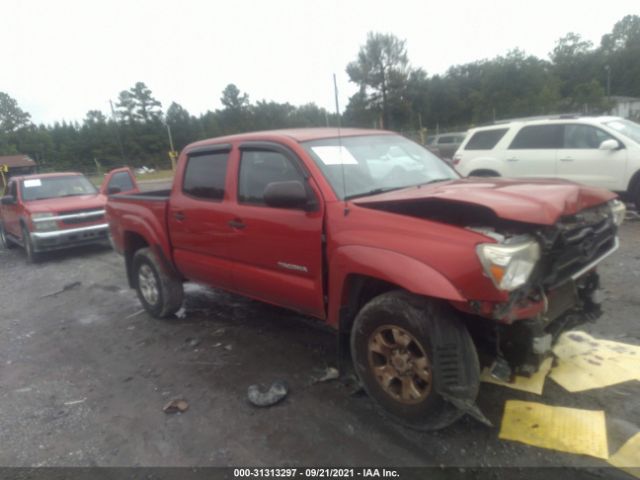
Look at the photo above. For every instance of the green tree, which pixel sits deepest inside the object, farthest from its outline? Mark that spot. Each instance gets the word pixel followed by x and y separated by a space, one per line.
pixel 381 70
pixel 12 117
pixel 138 105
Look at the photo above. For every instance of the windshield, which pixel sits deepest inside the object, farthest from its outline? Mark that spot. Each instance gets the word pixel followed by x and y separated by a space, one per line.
pixel 56 187
pixel 626 127
pixel 359 166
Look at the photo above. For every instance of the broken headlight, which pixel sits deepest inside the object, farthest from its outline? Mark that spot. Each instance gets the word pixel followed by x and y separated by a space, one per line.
pixel 618 211
pixel 509 265
pixel 41 222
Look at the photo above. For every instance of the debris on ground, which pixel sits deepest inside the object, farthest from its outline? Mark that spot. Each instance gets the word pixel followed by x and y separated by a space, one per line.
pixel 182 313
pixel 192 342
pixel 277 392
pixel 468 407
pixel 75 402
pixel 135 314
pixel 627 458
pixel 177 405
pixel 67 287
pixel 329 374
pixel 563 429
pixel 228 347
pixel 216 345
pixel 585 362
pixel 532 384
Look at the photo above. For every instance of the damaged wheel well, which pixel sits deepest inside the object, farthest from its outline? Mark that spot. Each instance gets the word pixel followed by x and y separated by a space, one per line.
pixel 358 291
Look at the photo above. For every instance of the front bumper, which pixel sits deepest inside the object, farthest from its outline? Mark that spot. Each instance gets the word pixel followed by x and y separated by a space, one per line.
pixel 58 239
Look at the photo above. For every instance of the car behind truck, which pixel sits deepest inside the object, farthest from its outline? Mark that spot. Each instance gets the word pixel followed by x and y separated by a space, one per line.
pixel 425 276
pixel 53 211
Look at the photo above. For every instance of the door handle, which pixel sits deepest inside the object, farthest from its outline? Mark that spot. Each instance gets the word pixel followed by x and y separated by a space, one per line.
pixel 236 223
pixel 179 216
pixel 512 159
pixel 566 159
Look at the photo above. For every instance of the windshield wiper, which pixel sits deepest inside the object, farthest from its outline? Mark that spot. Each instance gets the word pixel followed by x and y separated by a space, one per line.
pixel 435 180
pixel 374 191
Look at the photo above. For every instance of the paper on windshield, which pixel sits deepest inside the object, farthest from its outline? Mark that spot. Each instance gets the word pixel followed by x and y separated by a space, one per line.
pixel 334 155
pixel 32 183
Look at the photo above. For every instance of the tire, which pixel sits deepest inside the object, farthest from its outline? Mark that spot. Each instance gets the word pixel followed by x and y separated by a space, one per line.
pixel 160 294
pixel 4 240
pixel 32 255
pixel 414 328
pixel 635 196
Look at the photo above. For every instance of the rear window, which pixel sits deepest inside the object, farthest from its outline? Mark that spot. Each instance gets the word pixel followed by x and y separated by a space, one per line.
pixel 538 137
pixel 485 139
pixel 205 175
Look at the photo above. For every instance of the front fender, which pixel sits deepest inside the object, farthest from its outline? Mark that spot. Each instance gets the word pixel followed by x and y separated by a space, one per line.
pixel 401 270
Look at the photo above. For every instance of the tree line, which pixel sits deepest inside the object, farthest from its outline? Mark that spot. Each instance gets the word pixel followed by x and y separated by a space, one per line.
pixel 578 77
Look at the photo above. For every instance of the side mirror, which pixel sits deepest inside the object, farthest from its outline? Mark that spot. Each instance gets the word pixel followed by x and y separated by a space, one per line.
pixel 8 200
pixel 610 144
pixel 113 190
pixel 291 194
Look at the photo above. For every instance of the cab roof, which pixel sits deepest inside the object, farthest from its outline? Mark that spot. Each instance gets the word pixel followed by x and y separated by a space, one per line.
pixel 296 134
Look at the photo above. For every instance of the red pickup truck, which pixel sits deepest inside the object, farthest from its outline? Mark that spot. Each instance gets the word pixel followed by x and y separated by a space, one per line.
pixel 42 212
pixel 426 276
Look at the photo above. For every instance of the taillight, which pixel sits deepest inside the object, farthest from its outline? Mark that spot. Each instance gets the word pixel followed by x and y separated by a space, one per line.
pixel 456 160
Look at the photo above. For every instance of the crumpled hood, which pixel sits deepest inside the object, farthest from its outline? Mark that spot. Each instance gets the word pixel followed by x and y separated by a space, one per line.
pixel 537 201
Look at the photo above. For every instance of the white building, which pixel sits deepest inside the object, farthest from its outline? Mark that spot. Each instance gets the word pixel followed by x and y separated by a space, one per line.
pixel 626 107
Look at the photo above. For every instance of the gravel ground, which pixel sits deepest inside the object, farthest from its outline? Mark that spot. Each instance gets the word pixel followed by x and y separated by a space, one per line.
pixel 84 375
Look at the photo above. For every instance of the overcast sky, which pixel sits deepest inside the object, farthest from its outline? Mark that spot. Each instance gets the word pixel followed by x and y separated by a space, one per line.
pixel 61 58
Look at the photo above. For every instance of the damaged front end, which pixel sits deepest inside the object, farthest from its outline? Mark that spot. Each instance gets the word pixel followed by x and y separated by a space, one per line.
pixel 549 274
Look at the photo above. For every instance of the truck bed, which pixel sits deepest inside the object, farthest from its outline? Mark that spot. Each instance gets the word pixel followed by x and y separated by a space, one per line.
pixel 141 214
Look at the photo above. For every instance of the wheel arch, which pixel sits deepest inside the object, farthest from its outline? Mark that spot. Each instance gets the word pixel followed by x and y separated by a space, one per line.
pixel 358 273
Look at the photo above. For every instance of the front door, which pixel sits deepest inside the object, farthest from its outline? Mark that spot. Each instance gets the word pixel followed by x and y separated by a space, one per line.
pixel 10 211
pixel 278 253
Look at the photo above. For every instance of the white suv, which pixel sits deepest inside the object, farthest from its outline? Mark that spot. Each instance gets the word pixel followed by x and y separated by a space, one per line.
pixel 598 151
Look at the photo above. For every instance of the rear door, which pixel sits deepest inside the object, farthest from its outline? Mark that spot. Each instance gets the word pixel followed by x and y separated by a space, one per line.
pixel 278 251
pixel 533 151
pixel 120 180
pixel 580 159
pixel 198 215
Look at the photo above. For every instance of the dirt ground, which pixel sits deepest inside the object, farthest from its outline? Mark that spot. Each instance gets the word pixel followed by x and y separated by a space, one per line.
pixel 84 375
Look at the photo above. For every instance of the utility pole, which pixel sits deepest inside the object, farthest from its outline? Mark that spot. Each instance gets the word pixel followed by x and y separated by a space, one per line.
pixel 172 153
pixel 608 69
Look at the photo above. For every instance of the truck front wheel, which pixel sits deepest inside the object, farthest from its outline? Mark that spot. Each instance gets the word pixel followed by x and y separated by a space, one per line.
pixel 160 294
pixel 413 355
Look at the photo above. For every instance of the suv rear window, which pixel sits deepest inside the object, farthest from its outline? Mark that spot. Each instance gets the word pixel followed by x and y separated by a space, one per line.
pixel 538 137
pixel 485 139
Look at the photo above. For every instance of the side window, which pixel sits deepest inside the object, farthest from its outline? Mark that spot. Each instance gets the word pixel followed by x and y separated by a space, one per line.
pixel 205 175
pixel 121 182
pixel 584 136
pixel 13 190
pixel 538 137
pixel 485 139
pixel 445 140
pixel 259 168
